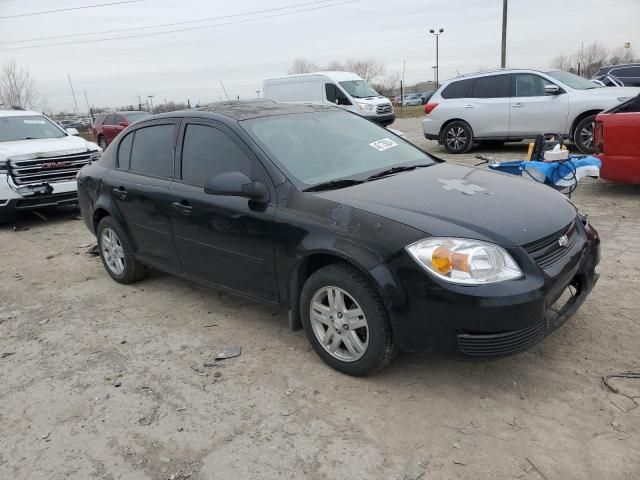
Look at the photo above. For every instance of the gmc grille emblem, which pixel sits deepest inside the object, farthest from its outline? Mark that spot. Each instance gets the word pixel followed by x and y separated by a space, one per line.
pixel 563 241
pixel 50 165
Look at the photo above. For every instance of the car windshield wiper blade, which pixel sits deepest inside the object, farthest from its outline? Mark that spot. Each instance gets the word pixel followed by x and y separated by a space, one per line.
pixel 333 184
pixel 392 170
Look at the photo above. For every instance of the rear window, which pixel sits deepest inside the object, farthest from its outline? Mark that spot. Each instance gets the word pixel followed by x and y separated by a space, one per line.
pixel 135 116
pixel 494 86
pixel 626 72
pixel 457 89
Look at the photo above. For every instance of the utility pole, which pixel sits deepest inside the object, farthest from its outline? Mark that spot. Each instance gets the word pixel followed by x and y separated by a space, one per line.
pixel 437 35
pixel 88 107
pixel 150 97
pixel 73 93
pixel 503 56
pixel 434 74
pixel 139 103
pixel 224 89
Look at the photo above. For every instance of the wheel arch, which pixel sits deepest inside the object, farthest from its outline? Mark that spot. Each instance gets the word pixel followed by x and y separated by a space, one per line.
pixel 579 118
pixel 449 122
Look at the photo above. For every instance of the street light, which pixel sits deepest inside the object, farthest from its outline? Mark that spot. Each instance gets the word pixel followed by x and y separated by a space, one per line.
pixel 437 34
pixel 434 73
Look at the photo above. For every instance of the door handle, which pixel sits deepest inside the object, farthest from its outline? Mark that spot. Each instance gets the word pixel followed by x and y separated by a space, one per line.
pixel 183 207
pixel 518 105
pixel 120 192
pixel 468 106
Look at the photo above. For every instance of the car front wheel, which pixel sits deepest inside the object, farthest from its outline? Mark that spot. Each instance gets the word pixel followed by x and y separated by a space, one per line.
pixel 346 321
pixel 583 136
pixel 116 253
pixel 457 137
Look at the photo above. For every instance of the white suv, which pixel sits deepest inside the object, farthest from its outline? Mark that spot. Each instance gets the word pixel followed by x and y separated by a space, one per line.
pixel 39 161
pixel 511 105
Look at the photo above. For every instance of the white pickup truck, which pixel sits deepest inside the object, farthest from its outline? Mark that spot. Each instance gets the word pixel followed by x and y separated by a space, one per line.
pixel 39 161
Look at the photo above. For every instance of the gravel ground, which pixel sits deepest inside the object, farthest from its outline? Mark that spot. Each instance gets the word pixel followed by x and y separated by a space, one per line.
pixel 101 380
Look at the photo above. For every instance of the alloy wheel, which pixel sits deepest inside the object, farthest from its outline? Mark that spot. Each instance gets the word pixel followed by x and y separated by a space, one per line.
pixel 339 324
pixel 456 138
pixel 586 135
pixel 112 251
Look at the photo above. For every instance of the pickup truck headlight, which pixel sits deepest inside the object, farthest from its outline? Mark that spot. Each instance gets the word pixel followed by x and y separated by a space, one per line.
pixel 464 261
pixel 367 107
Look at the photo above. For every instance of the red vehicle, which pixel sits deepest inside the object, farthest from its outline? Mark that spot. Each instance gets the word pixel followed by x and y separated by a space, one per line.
pixel 617 142
pixel 108 125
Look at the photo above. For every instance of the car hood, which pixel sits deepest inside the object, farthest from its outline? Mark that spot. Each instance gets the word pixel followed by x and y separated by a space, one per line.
pixel 458 201
pixel 45 147
pixel 615 92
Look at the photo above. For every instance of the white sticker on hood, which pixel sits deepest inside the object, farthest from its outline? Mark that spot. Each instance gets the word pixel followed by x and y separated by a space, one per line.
pixel 34 122
pixel 384 144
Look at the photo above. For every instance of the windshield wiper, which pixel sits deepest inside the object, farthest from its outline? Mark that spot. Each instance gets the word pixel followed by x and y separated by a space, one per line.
pixel 392 170
pixel 333 184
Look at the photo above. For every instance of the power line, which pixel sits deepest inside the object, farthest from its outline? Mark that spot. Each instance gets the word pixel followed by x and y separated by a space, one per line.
pixel 43 12
pixel 179 30
pixel 173 24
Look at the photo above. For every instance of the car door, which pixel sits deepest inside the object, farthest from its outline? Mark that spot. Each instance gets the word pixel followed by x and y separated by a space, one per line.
pixel 486 107
pixel 120 123
pixel 108 128
pixel 139 188
pixel 222 240
pixel 533 111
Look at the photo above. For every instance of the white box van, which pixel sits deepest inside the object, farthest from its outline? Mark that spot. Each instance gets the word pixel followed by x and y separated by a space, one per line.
pixel 344 89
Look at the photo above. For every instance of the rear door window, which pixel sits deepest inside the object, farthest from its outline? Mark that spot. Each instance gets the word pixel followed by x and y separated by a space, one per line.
pixel 493 86
pixel 458 89
pixel 124 152
pixel 626 72
pixel 153 151
pixel 208 151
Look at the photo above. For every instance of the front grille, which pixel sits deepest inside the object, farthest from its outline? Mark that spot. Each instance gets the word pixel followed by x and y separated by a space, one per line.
pixel 383 109
pixel 547 251
pixel 48 169
pixel 36 201
pixel 496 344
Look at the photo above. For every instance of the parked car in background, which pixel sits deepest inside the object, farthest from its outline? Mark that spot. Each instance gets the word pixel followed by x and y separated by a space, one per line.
pixel 617 142
pixel 624 75
pixel 426 96
pixel 511 105
pixel 367 241
pixel 344 89
pixel 412 99
pixel 39 161
pixel 108 125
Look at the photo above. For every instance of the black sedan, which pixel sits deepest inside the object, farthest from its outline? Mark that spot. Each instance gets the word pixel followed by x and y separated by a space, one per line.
pixel 369 243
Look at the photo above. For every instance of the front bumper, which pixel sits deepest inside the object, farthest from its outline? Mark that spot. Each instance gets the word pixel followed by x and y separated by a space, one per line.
pixel 384 120
pixel 13 199
pixel 491 320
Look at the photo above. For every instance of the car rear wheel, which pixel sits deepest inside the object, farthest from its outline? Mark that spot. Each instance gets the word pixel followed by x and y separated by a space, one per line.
pixel 102 142
pixel 457 137
pixel 345 320
pixel 583 135
pixel 116 253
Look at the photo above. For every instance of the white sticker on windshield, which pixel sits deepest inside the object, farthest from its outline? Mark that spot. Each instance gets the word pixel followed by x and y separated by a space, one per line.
pixel 384 144
pixel 37 122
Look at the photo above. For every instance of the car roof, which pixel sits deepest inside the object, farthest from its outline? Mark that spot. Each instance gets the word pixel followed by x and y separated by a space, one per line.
pixel 620 65
pixel 497 71
pixel 335 75
pixel 18 113
pixel 245 109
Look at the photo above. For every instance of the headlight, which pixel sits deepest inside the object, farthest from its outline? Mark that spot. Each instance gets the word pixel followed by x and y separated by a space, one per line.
pixel 366 106
pixel 464 261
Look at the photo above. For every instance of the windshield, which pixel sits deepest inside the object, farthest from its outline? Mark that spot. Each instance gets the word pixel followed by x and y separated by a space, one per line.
pixel 313 148
pixel 135 116
pixel 358 89
pixel 28 128
pixel 572 80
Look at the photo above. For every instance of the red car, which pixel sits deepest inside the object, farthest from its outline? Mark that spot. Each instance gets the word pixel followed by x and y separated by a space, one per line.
pixel 617 142
pixel 108 125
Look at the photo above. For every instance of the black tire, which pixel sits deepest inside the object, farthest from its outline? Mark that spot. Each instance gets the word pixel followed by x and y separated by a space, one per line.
pixel 457 137
pixel 133 270
pixel 583 135
pixel 7 216
pixel 380 349
pixel 102 142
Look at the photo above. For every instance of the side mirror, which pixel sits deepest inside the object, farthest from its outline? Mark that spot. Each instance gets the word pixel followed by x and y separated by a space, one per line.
pixel 552 90
pixel 236 184
pixel 72 131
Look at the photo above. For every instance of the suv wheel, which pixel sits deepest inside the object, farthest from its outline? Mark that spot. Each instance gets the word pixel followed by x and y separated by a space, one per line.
pixel 457 137
pixel 345 320
pixel 583 135
pixel 116 253
pixel 102 142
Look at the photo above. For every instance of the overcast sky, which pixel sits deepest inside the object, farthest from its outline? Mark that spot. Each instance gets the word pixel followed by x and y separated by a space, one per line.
pixel 190 64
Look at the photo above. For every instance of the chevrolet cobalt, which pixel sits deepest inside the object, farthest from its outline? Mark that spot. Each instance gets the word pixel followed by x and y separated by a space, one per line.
pixel 370 244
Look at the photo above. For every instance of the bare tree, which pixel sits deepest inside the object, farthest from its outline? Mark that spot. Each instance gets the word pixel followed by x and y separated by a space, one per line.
pixel 368 69
pixel 563 62
pixel 595 56
pixel 17 88
pixel 621 55
pixel 302 65
pixel 389 85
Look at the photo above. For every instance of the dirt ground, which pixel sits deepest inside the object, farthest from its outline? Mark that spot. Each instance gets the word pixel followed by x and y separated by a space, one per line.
pixel 101 380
